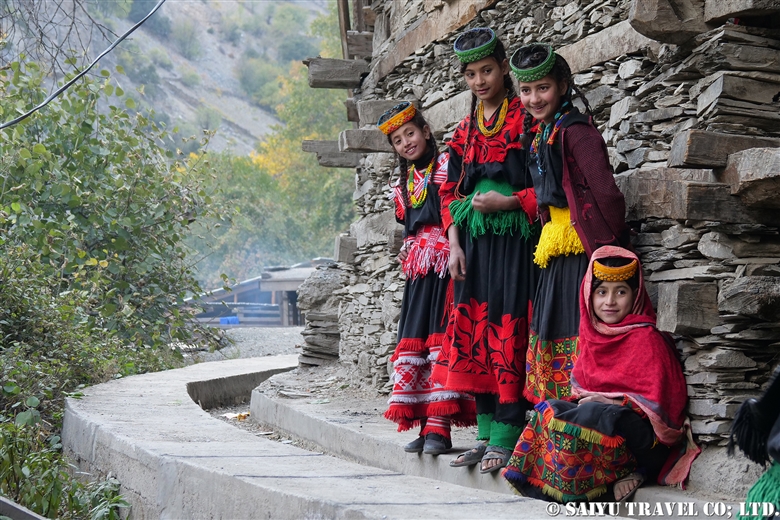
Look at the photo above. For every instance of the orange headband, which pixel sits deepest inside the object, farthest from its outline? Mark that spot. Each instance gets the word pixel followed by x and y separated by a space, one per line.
pixel 614 274
pixel 398 120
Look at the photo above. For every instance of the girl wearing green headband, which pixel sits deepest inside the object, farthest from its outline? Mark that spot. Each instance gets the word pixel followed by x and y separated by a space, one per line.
pixel 581 207
pixel 489 207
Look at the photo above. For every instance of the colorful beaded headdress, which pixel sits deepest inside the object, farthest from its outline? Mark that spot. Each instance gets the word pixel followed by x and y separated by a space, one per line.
pixel 477 53
pixel 536 73
pixel 606 273
pixel 396 117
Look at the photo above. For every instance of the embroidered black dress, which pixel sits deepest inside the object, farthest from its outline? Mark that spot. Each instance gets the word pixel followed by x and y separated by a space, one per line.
pixel 415 399
pixel 488 333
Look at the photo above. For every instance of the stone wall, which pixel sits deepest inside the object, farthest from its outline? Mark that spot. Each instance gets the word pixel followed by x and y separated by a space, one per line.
pixel 682 121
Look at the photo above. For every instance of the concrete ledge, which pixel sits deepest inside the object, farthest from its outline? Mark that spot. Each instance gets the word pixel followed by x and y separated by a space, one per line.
pixel 176 461
pixel 362 435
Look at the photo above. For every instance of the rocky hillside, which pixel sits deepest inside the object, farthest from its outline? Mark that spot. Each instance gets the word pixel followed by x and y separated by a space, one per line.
pixel 189 68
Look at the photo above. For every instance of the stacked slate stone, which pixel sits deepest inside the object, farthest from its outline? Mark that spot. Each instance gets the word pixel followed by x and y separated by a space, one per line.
pixel 320 307
pixel 682 124
pixel 424 76
pixel 370 302
pixel 685 134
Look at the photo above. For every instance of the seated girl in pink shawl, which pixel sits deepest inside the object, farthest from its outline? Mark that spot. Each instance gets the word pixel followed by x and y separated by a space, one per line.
pixel 629 424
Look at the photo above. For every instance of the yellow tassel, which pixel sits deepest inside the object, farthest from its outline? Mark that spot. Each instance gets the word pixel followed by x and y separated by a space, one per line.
pixel 559 238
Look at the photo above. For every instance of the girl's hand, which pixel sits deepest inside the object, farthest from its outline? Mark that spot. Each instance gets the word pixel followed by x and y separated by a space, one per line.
pixel 492 202
pixel 403 254
pixel 600 399
pixel 457 263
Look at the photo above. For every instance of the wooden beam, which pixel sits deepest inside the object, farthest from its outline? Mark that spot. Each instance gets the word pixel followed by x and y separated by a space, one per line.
pixel 364 141
pixel 343 14
pixel 352 111
pixel 339 160
pixel 370 110
pixel 688 307
pixel 331 73
pixel 369 16
pixel 717 11
pixel 357 15
pixel 328 154
pixel 699 148
pixel 663 193
pixel 735 87
pixel 754 175
pixel 605 45
pixel 435 25
pixel 360 44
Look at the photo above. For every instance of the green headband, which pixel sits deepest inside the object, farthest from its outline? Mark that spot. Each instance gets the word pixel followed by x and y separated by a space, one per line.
pixel 534 73
pixel 477 53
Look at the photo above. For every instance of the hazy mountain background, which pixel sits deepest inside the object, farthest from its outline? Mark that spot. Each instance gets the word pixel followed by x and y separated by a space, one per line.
pixel 231 68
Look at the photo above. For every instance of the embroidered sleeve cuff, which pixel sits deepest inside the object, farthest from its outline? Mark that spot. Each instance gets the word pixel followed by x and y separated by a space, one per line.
pixel 527 199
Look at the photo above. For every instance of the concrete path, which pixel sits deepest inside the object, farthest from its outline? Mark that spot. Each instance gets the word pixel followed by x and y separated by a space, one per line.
pixel 357 431
pixel 175 461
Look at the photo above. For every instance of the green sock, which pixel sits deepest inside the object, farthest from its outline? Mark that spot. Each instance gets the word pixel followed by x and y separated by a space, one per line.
pixel 504 435
pixel 484 420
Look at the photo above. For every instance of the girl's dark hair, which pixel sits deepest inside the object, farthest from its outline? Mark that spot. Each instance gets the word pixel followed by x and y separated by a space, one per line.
pixel 533 55
pixel 470 41
pixel 619 261
pixel 419 121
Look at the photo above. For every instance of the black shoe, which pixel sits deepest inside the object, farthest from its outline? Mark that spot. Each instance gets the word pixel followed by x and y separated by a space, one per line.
pixel 436 444
pixel 416 446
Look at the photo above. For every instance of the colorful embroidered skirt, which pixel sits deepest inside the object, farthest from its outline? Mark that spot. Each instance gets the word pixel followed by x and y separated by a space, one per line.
pixel 570 452
pixel 415 396
pixel 487 337
pixel 553 344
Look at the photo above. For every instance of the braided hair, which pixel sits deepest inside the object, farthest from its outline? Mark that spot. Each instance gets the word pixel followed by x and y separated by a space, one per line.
pixel 403 164
pixel 471 41
pixel 532 56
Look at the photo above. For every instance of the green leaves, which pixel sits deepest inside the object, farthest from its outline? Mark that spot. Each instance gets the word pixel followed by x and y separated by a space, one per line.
pixel 100 203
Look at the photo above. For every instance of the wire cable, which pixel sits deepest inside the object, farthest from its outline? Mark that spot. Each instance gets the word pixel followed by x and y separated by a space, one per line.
pixel 67 85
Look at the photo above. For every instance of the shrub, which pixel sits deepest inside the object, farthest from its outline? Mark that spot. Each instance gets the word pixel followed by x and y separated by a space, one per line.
pixel 186 37
pixel 258 78
pixel 296 48
pixel 189 77
pixel 34 473
pixel 140 69
pixel 208 118
pixel 160 58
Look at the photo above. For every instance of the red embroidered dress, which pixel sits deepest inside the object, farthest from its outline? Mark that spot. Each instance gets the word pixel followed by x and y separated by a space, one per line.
pixel 488 332
pixel 415 399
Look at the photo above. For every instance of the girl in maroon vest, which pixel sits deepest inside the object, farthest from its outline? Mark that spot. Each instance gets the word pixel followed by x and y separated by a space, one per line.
pixel 580 206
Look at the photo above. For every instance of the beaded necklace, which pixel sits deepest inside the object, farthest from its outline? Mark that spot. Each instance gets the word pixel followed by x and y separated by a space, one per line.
pixel 547 132
pixel 417 202
pixel 499 122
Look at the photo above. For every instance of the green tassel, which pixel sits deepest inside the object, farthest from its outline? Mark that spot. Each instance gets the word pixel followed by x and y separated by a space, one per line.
pixel 500 223
pixel 766 489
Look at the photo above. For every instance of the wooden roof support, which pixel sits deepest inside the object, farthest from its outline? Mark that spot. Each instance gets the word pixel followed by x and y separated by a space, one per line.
pixel 364 141
pixel 360 44
pixel 343 13
pixel 700 148
pixel 329 155
pixel 330 73
pixel 352 110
